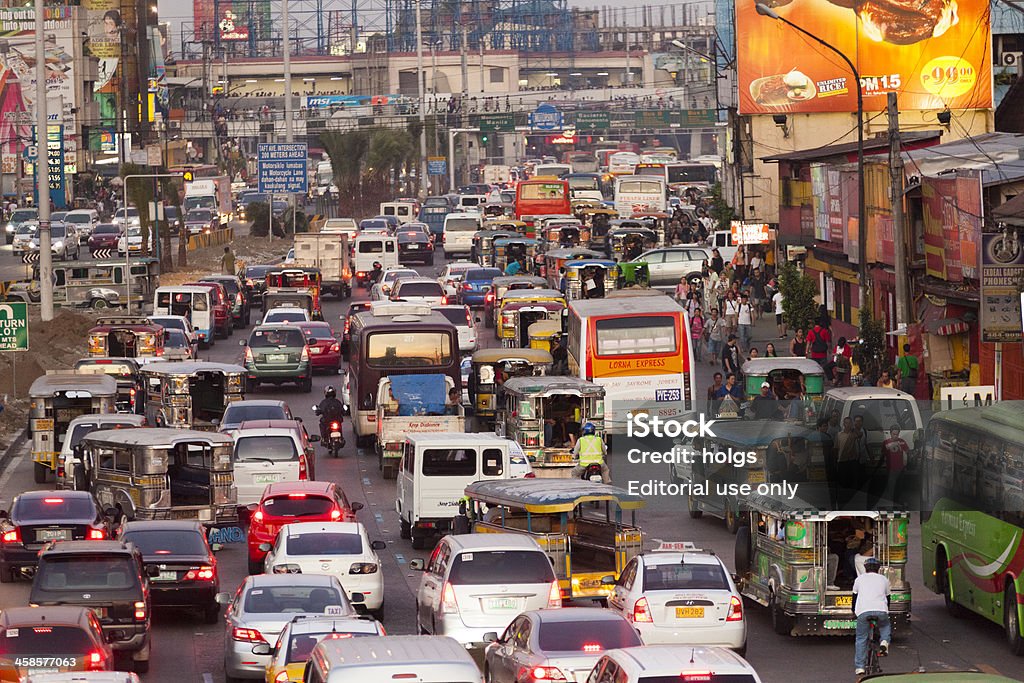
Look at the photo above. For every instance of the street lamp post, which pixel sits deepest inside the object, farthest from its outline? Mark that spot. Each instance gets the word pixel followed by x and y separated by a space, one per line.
pixel 420 76
pixel 862 234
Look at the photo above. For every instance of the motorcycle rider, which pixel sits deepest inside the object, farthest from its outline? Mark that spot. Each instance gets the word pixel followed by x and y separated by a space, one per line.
pixel 375 274
pixel 330 410
pixel 590 450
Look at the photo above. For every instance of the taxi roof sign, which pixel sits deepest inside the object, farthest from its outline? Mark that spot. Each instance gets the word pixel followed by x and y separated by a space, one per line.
pixel 676 546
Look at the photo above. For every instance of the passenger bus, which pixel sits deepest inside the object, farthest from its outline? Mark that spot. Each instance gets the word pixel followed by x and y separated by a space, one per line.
pixel 689 174
pixel 972 513
pixel 542 196
pixel 638 348
pixel 654 170
pixel 552 170
pixel 581 161
pixel 394 338
pixel 640 195
pixel 586 186
pixel 622 163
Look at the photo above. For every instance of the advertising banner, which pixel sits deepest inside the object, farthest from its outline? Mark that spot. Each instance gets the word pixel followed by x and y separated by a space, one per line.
pixel 935 54
pixel 1002 277
pixel 750 233
pixel 819 191
pixel 952 225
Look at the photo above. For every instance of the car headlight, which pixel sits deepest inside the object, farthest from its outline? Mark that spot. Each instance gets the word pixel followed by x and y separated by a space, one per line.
pixel 58 244
pixel 9 227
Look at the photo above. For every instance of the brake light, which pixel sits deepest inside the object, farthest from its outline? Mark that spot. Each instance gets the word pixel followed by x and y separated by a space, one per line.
pixel 248 355
pixel 466 285
pixel 735 609
pixel 140 611
pixel 469 318
pixel 247 635
pixel 641 612
pixel 542 673
pixel 96 535
pixel 336 348
pixel 335 515
pixel 94 662
pixel 296 495
pixel 258 515
pixel 696 676
pixel 53 501
pixel 489 297
pixel 554 596
pixel 281 677
pixel 305 354
pixel 360 273
pixel 12 536
pixel 592 647
pixel 448 603
pixel 238 297
pixel 303 472
pixel 201 574
pixel 335 426
pixel 444 300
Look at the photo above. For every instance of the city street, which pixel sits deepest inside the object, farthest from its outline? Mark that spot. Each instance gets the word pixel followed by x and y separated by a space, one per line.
pixel 187 650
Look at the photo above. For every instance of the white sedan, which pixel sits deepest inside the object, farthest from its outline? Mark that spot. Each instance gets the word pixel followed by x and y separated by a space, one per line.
pixel 681 594
pixel 286 314
pixel 451 277
pixel 339 549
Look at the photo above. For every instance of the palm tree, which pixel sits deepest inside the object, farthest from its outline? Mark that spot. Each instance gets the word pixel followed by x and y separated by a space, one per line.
pixel 346 152
pixel 390 150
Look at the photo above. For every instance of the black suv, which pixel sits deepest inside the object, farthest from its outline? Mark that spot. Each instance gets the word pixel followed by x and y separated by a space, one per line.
pixel 109 577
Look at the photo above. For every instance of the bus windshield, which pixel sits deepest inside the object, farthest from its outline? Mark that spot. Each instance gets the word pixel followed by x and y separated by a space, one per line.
pixel 636 335
pixel 640 186
pixel 691 173
pixel 584 183
pixel 424 349
pixel 541 191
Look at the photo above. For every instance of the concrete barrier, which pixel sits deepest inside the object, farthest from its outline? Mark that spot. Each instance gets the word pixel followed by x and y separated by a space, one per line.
pixel 214 238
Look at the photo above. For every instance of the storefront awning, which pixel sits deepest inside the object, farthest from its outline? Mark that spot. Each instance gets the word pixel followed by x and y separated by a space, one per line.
pixel 948 327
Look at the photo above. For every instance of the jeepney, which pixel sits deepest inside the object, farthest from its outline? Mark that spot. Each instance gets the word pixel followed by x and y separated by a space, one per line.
pixel 493 367
pixel 633 275
pixel 191 394
pixel 545 414
pixel 598 220
pixel 762 452
pixel 563 233
pixel 798 383
pixel 556 259
pixel 627 243
pixel 512 312
pixel 544 334
pixel 96 284
pixel 589 278
pixel 503 284
pixel 126 337
pixel 288 297
pixel 482 251
pixel 290 279
pixel 412 404
pixel 586 545
pixel 148 473
pixel 509 249
pixel 656 221
pixel 790 559
pixel 506 225
pixel 57 398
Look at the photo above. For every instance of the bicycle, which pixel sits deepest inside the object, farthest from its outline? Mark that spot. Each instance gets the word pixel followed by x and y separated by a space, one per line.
pixel 871 666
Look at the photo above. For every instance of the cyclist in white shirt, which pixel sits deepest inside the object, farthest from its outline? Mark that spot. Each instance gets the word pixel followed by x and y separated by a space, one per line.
pixel 871 596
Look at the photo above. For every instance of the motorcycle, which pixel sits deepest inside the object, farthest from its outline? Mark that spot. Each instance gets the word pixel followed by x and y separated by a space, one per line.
pixel 593 473
pixel 332 436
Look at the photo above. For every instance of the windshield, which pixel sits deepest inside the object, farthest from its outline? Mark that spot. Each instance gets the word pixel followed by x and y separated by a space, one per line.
pixel 501 567
pixel 420 289
pixel 58 230
pixel 23 215
pixel 261 448
pixel 78 218
pixel 237 414
pixel 132 213
pixel 44 640
pixel 880 414
pixel 542 191
pixel 482 274
pixel 298 505
pixel 321 543
pixel 205 201
pixel 175 339
pixel 296 316
pixel 409 349
pixel 696 173
pixel 200 215
pixel 641 187
pixel 292 599
pixel 636 334
pixel 26 228
pixel 83 430
pixel 159 542
pixel 319 332
pixel 461 225
pixel 300 647
pixel 263 339
pixel 104 368
pixel 661 577
pixel 77 573
pixel 107 229
pixel 583 183
pixel 371 247
pixel 592 635
pixel 456 316
pixel 56 508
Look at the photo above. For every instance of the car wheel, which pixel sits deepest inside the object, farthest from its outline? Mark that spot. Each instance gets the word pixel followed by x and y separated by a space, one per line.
pixel 945 586
pixel 307 385
pixel 1011 621
pixel 732 520
pixel 39 472
pixel 98 304
pixel 781 622
pixel 251 386
pixel 419 542
pixel 378 613
pixel 141 666
pixel 404 530
pixel 691 507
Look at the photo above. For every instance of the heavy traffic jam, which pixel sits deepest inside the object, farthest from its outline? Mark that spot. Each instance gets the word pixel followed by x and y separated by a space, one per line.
pixel 405 451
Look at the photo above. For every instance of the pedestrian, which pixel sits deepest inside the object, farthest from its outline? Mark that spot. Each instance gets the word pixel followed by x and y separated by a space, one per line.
pixel 732 359
pixel 906 370
pixel 682 290
pixel 739 260
pixel 818 342
pixel 712 291
pixel 885 380
pixel 798 344
pixel 871 595
pixel 731 309
pixel 714 332
pixel 731 389
pixel 227 261
pixel 769 351
pixel 757 291
pixel 840 366
pixel 716 384
pixel 697 334
pixel 754 353
pixel 717 262
pixel 847 463
pixel 745 319
pixel 777 300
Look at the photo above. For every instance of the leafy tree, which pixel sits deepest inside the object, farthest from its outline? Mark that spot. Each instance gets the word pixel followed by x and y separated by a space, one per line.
pixel 347 151
pixel 259 214
pixel 720 209
pixel 799 309
pixel 390 150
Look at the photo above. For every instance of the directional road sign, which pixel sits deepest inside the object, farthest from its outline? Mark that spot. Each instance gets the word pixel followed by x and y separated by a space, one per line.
pixel 283 167
pixel 14 326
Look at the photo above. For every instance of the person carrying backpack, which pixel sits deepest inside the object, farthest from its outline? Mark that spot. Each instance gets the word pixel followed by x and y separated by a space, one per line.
pixel 819 339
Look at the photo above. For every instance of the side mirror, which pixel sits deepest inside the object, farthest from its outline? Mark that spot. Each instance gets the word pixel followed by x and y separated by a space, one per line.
pixel 735 577
pixel 378 545
pixel 152 571
pixel 477 318
pixel 356 507
pixel 222 598
pixel 491 637
pixel 252 507
pixel 313 438
pixel 215 422
pixel 417 565
pixel 216 547
pixel 264 547
pixel 316 410
pixel 261 649
pixel 357 598
pixel 608 580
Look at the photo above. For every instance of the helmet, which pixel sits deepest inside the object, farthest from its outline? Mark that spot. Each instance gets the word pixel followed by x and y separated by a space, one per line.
pixel 589 428
pixel 329 392
pixel 376 265
pixel 872 562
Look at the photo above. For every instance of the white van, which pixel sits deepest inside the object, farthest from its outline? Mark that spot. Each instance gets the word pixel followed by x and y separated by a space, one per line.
pixel 471 202
pixel 370 249
pixel 881 409
pixel 722 241
pixel 404 211
pixel 192 303
pixel 386 659
pixel 434 473
pixel 457 237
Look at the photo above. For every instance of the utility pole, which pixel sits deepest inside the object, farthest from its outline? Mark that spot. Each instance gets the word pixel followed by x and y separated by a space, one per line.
pixel 465 66
pixel 420 77
pixel 286 58
pixel 43 171
pixel 899 233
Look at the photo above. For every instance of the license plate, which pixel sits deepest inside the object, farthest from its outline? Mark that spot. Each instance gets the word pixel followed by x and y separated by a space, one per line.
pixel 661 395
pixel 53 534
pixel 335 435
pixel 315 350
pixel 836 624
pixel 689 612
pixel 278 358
pixel 414 246
pixel 166 576
pixel 560 457
pixel 843 601
pixel 502 603
pixel 266 478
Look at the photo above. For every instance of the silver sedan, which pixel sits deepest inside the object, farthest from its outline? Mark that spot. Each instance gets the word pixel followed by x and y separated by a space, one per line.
pixel 263 605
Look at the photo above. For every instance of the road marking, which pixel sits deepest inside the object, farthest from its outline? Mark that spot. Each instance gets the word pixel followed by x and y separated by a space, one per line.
pixel 400 558
pixel 366 481
pixel 379 517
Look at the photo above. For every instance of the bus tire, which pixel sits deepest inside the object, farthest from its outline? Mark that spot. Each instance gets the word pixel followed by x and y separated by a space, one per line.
pixel 98 303
pixel 39 472
pixel 732 520
pixel 404 530
pixel 744 550
pixel 945 586
pixel 691 507
pixel 1011 621
pixel 782 623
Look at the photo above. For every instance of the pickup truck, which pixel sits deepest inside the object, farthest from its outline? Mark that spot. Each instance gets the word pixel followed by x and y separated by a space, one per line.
pixel 331 254
pixel 414 405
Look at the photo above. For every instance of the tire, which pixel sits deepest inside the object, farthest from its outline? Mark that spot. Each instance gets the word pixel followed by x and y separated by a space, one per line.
pixel 781 622
pixel 691 507
pixel 39 472
pixel 430 261
pixel 488 320
pixel 255 567
pixel 307 385
pixel 744 550
pixel 732 520
pixel 404 530
pixel 251 386
pixel 1011 621
pixel 98 304
pixel 6 575
pixel 945 586
pixel 419 542
pixel 211 615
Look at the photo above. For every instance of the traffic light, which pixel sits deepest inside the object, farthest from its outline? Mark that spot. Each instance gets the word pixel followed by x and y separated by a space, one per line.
pixel 188 176
pixel 483 138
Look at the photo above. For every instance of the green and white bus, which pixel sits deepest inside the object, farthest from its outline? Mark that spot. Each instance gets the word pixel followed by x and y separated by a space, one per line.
pixel 972 513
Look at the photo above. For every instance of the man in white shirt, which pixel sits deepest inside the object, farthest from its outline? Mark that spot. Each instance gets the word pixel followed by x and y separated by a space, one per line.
pixel 871 600
pixel 746 321
pixel 777 302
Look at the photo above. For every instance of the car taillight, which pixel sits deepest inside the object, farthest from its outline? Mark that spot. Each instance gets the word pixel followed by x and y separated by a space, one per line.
pixel 305 354
pixel 258 516
pixel 201 574
pixel 336 348
pixel 140 611
pixel 238 298
pixel 469 319
pixel 363 568
pixel 592 647
pixel 641 612
pixel 448 603
pixel 282 677
pixel 248 355
pixel 541 673
pixel 735 609
pixel 346 325
pixel 303 472
pixel 529 475
pixel 13 536
pixel 96 535
pixel 554 596
pixel 335 515
pixel 489 296
pixel 247 635
pixel 360 273
pixel 466 285
pixel 95 661
pixel 697 676
pixel 444 300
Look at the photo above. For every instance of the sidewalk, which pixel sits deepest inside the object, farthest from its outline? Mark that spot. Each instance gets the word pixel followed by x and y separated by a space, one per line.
pixel 764 331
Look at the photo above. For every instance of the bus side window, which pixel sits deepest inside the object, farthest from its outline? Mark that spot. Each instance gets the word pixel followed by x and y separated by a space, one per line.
pixel 118 276
pixel 59 278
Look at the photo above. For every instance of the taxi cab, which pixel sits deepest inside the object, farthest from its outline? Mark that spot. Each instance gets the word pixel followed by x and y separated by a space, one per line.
pixel 302 634
pixel 681 594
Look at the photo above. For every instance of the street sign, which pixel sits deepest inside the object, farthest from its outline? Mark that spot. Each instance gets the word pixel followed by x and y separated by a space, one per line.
pixel 14 326
pixel 497 122
pixel 694 118
pixel 31 152
pixel 101 254
pixel 593 120
pixel 30 257
pixel 437 165
pixel 546 117
pixel 283 167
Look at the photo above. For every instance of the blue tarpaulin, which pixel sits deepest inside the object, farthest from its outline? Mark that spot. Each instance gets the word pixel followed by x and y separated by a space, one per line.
pixel 419 394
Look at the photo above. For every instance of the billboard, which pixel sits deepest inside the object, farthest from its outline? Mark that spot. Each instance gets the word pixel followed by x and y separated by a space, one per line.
pixel 934 54
pixel 1002 277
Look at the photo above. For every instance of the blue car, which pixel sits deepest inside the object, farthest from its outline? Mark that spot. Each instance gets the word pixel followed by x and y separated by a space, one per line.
pixel 476 283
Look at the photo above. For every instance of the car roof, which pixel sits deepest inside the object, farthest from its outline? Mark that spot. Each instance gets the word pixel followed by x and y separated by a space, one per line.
pixel 303 324
pixel 267 580
pixel 32 495
pixel 419 279
pixel 268 427
pixel 853 393
pixel 393 651
pixel 162 525
pixel 296 528
pixel 59 615
pixel 576 614
pixel 654 559
pixel 283 488
pixel 88 547
pixel 285 309
pixel 429 439
pixel 498 541
pixel 674 660
pixel 303 624
pixel 278 326
pixel 258 402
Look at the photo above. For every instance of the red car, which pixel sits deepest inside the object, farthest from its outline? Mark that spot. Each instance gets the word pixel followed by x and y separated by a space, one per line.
pixel 294 501
pixel 223 324
pixel 325 351
pixel 105 236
